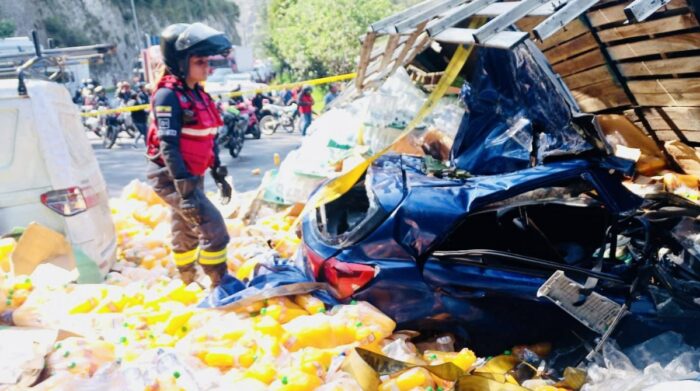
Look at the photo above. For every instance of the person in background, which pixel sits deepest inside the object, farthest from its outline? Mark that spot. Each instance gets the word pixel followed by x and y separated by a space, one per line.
pixel 140 117
pixel 181 148
pixel 306 104
pixel 124 93
pixel 258 101
pixel 331 95
pixel 287 96
pixel 100 98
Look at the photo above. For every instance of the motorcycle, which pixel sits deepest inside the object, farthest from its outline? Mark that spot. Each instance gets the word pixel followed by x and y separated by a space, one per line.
pixel 232 134
pixel 246 108
pixel 91 123
pixel 279 116
pixel 115 123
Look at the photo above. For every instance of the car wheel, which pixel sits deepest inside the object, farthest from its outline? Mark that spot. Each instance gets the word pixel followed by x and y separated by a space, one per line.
pixel 268 125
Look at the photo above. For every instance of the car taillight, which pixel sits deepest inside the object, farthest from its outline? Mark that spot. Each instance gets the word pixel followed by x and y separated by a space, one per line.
pixel 314 260
pixel 66 202
pixel 346 277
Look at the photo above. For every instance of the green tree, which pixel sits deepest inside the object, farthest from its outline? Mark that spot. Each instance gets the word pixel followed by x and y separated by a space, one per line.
pixel 7 28
pixel 315 38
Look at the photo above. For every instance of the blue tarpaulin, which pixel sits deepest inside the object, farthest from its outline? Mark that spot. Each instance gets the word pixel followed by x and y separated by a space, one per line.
pixel 272 278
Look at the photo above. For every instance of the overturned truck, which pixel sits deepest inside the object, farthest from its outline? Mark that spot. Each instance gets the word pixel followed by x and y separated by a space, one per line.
pixel 554 217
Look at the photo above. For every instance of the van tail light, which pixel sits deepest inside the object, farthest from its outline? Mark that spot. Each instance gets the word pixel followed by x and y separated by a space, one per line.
pixel 66 202
pixel 346 277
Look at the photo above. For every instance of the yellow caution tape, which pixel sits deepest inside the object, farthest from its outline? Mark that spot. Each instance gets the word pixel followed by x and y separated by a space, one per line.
pixel 285 86
pixel 113 111
pixel 338 186
pixel 312 82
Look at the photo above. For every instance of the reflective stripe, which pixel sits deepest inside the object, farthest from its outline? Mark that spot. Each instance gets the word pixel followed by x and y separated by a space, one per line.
pixel 182 259
pixel 212 257
pixel 199 132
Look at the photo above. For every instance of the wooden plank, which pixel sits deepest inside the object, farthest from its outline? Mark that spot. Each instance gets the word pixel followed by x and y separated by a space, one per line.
pixel 600 96
pixel 662 86
pixel 664 25
pixel 588 77
pixel 672 100
pixel 389 49
pixel 686 118
pixel 571 48
pixel 580 63
pixel 616 13
pixel 365 52
pixel 529 22
pixel 669 135
pixel 668 66
pixel 570 31
pixel 674 43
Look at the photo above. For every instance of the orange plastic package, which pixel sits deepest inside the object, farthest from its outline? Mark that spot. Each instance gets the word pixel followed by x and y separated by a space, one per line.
pixel 620 131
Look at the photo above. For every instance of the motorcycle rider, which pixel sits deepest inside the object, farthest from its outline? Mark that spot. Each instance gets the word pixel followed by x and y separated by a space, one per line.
pixel 181 148
pixel 101 97
pixel 124 93
pixel 258 101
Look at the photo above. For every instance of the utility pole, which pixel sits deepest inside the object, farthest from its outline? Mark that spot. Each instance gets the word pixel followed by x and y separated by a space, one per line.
pixel 136 25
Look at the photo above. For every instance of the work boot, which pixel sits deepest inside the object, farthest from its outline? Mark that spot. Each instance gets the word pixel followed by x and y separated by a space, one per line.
pixel 215 273
pixel 187 273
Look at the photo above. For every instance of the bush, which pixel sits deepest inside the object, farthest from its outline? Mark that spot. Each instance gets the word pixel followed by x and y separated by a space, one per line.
pixel 64 35
pixel 7 28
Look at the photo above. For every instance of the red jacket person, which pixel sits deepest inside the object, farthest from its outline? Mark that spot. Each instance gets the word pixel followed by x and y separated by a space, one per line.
pixel 181 148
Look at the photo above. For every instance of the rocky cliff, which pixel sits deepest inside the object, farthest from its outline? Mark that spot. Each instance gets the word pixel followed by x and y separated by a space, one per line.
pixel 84 22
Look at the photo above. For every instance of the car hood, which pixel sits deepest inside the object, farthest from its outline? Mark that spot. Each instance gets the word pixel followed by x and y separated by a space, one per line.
pixel 519 110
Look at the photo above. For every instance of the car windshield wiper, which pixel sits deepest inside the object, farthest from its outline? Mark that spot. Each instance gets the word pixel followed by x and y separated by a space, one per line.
pixel 464 256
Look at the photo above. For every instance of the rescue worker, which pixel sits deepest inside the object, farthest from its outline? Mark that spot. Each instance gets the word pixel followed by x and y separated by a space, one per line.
pixel 181 147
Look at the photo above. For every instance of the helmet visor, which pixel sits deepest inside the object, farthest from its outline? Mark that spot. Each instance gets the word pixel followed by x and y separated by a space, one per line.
pixel 202 40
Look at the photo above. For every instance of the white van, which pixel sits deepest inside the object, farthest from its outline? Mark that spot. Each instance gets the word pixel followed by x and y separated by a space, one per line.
pixel 48 172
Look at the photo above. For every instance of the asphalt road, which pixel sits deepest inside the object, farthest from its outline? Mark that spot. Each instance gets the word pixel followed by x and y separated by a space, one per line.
pixel 125 161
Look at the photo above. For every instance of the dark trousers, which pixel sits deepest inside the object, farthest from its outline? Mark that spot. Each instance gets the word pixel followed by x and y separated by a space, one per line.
pixel 210 236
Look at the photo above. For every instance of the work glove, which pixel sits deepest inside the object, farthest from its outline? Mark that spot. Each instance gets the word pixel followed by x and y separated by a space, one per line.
pixel 189 201
pixel 219 174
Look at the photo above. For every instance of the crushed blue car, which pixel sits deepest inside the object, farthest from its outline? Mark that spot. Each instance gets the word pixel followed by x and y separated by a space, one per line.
pixel 532 189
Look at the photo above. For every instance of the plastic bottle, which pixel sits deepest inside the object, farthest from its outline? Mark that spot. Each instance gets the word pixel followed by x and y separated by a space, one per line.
pixel 276 159
pixel 7 246
pixel 311 304
pixel 464 359
pixel 409 380
pixel 263 372
pixel 295 380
